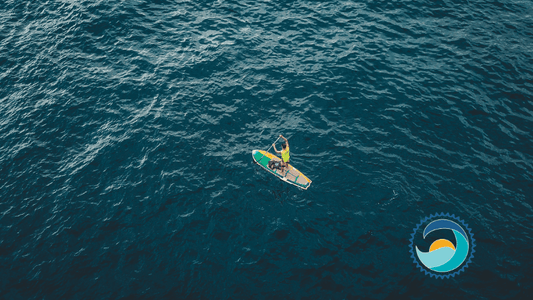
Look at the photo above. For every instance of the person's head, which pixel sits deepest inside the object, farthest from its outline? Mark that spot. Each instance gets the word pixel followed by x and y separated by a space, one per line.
pixel 284 145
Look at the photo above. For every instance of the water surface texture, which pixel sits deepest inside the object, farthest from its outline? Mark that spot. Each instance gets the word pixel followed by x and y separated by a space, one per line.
pixel 126 131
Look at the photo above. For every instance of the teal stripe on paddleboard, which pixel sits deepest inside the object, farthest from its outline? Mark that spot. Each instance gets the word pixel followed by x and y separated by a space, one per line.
pixel 264 161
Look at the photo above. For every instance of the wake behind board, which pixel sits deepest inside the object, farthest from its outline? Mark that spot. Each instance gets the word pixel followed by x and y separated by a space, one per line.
pixel 291 176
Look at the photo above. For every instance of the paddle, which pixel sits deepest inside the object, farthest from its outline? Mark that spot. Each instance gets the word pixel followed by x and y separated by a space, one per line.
pixel 267 150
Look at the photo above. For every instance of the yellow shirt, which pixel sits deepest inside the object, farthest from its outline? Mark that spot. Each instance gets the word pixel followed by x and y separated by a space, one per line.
pixel 285 154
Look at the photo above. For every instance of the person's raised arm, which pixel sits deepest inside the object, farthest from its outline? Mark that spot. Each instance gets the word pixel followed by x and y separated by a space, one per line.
pixel 286 141
pixel 273 145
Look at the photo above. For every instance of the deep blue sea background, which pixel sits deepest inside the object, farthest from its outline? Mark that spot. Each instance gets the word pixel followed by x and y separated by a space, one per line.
pixel 126 131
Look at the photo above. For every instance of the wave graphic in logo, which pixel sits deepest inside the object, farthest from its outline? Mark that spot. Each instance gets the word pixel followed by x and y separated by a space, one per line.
pixel 443 256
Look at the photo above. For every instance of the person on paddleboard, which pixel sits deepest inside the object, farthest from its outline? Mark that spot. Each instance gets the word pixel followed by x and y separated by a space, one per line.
pixel 285 155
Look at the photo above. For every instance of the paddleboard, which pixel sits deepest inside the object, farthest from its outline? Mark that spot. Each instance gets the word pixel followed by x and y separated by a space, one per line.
pixel 291 175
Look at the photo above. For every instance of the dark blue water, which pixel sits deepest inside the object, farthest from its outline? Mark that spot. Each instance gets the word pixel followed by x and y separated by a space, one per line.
pixel 127 127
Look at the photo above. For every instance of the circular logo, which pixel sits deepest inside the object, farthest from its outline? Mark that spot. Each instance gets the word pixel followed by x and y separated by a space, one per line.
pixel 444 258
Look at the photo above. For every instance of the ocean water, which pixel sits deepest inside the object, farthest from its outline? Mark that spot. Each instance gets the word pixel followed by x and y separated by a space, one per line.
pixel 126 131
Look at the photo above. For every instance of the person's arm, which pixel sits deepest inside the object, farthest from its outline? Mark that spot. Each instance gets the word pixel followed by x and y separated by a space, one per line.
pixel 275 149
pixel 286 141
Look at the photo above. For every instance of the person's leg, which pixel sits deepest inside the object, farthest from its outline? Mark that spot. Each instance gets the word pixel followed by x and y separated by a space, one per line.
pixel 285 165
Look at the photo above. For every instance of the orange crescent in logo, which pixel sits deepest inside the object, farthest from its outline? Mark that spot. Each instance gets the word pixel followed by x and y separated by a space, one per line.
pixel 441 244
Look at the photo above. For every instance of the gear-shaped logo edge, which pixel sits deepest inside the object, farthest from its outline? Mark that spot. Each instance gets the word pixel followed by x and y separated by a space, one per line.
pixel 431 274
